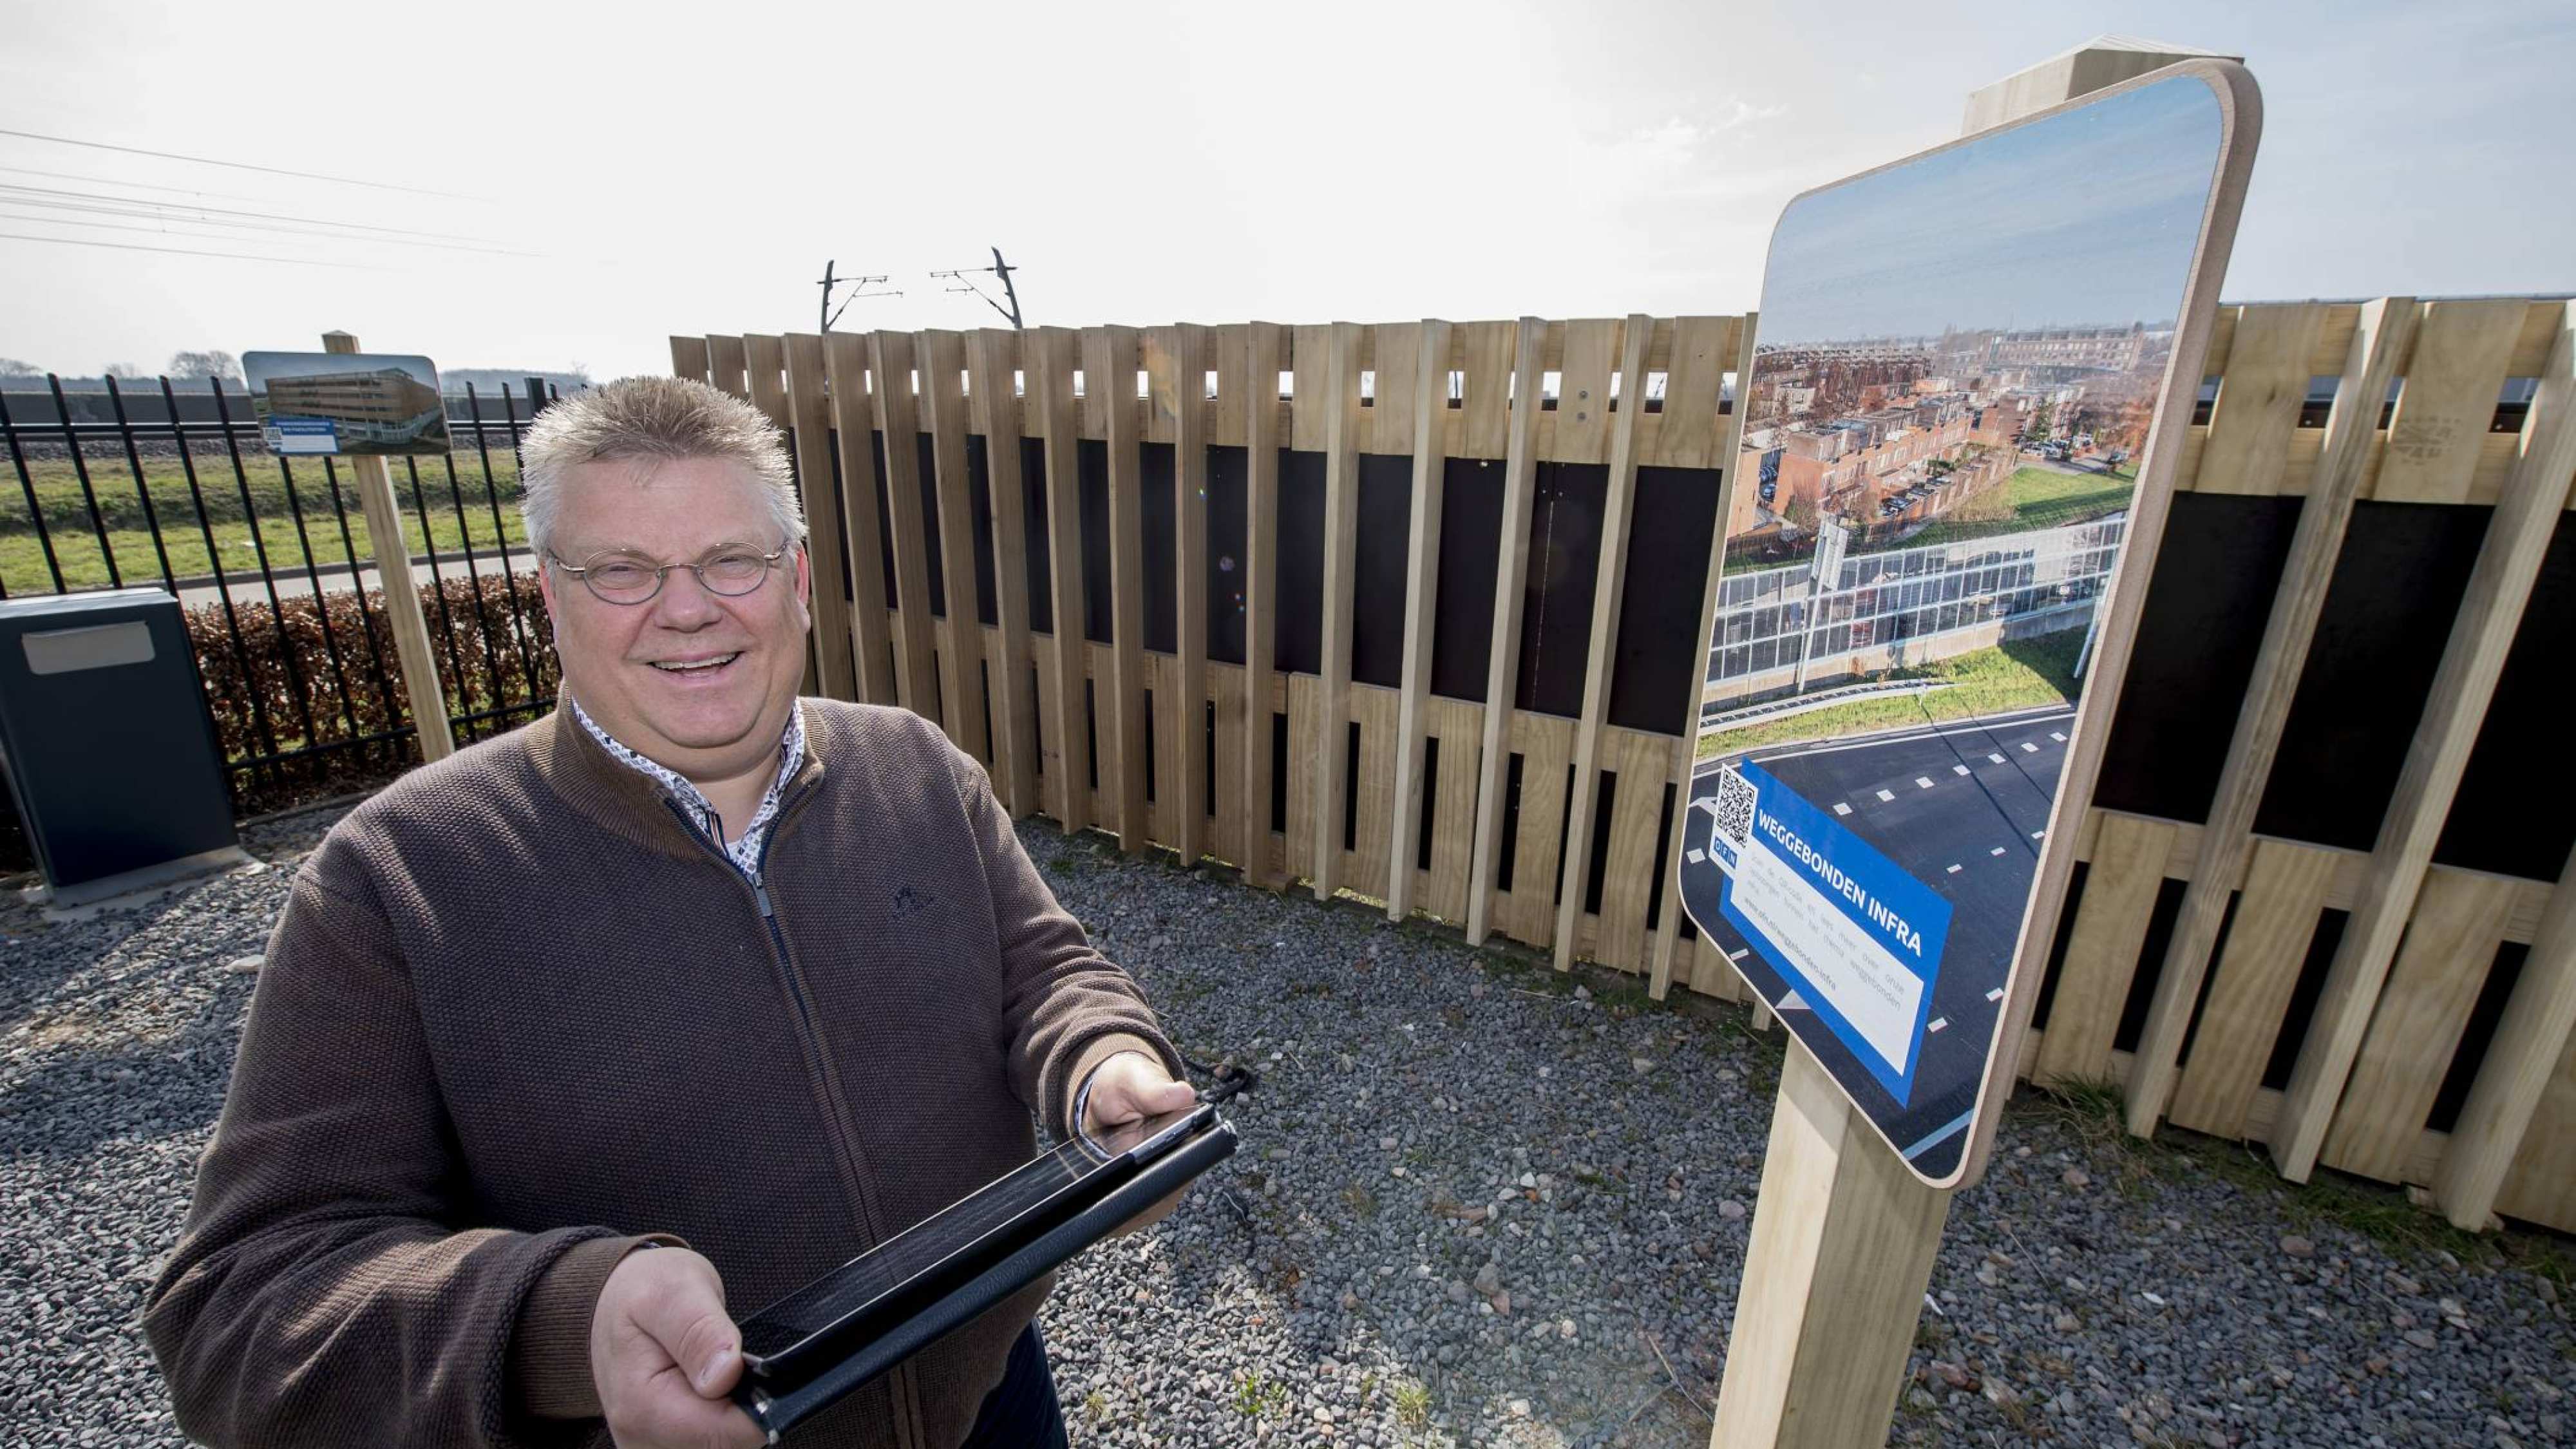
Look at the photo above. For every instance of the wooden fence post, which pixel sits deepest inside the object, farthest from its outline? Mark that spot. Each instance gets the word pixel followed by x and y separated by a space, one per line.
pixel 1011 673
pixel 1430 384
pixel 1262 343
pixel 1685 754
pixel 2529 1044
pixel 1189 796
pixel 845 366
pixel 1618 507
pixel 941 358
pixel 402 596
pixel 2380 343
pixel 2518 536
pixel 1047 357
pixel 811 409
pixel 1333 764
pixel 1109 361
pixel 1503 663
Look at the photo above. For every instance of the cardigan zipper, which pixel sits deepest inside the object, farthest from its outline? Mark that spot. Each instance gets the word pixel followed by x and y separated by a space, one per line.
pixel 907 1429
pixel 760 896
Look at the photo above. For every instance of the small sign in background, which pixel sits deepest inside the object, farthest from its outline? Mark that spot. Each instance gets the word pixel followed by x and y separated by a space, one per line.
pixel 346 403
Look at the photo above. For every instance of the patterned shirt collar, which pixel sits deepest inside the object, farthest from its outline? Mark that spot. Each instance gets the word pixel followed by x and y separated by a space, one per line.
pixel 744 850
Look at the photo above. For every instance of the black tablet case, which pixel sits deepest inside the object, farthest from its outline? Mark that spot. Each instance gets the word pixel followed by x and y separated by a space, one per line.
pixel 778 1396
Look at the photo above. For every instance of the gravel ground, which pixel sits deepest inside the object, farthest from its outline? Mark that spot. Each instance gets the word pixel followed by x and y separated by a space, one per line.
pixel 1475 1205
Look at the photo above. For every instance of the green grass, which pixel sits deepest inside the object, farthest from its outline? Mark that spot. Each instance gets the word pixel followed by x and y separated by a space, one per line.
pixel 2033 498
pixel 2017 674
pixel 120 508
pixel 2096 1113
pixel 1412 1405
pixel 1257 1394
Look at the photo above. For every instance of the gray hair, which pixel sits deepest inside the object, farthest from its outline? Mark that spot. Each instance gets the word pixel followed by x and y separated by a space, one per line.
pixel 651 417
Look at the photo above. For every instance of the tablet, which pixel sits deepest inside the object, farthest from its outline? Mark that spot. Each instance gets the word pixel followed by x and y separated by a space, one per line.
pixel 805 1351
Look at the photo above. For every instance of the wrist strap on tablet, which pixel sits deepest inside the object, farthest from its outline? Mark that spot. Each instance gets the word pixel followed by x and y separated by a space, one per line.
pixel 1225 1083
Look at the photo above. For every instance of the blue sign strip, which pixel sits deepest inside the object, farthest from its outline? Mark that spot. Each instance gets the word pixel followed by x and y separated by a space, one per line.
pixel 1893 911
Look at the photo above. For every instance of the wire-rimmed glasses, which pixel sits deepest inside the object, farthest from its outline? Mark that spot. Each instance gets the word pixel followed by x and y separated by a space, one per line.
pixel 618 576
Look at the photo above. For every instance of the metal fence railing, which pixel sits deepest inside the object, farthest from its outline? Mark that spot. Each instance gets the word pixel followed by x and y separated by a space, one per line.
pixel 272 560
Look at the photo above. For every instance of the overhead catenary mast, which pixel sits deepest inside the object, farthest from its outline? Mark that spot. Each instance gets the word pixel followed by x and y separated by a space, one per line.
pixel 829 314
pixel 961 277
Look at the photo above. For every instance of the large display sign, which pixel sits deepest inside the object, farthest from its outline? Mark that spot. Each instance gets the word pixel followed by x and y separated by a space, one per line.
pixel 342 403
pixel 1950 469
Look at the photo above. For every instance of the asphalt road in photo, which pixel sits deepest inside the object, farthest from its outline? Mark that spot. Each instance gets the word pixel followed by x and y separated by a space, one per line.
pixel 1960 806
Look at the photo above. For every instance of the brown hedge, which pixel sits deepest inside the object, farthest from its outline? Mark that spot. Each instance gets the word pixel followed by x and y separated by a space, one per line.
pixel 334 663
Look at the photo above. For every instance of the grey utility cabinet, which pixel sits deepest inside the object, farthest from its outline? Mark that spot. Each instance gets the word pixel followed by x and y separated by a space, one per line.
pixel 108 745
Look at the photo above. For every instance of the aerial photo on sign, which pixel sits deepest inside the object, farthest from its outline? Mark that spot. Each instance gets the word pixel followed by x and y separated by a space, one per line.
pixel 1958 363
pixel 342 403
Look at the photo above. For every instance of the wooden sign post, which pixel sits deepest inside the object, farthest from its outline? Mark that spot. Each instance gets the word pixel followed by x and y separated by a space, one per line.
pixel 1847 1227
pixel 1842 1250
pixel 402 596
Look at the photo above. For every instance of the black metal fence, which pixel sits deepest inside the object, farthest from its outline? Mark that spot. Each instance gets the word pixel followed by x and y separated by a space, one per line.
pixel 267 554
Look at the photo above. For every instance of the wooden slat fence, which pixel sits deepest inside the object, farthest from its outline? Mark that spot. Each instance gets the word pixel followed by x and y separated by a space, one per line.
pixel 1442 647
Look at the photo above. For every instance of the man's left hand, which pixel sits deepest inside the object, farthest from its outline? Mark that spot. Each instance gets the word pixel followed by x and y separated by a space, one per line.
pixel 1128 1086
pixel 1125 1088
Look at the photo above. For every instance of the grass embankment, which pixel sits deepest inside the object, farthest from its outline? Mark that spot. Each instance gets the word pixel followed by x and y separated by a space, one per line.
pixel 120 508
pixel 2033 498
pixel 2017 674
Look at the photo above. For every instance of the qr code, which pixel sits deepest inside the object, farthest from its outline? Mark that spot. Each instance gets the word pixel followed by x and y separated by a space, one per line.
pixel 1734 809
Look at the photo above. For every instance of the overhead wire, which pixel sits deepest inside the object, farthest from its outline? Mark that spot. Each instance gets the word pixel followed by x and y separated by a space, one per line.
pixel 265 228
pixel 54 196
pixel 161 230
pixel 82 241
pixel 130 185
pixel 239 165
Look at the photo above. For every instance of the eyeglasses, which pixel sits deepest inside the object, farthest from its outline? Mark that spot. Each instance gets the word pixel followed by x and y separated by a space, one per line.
pixel 619 577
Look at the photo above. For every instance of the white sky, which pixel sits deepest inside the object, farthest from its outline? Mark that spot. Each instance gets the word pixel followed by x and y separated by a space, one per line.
pixel 688 168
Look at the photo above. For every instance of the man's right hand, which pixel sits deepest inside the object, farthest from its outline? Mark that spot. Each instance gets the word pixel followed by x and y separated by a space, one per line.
pixel 665 1356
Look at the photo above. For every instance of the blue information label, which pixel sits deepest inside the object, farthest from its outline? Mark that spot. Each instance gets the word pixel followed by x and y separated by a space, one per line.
pixel 1857 937
pixel 294 436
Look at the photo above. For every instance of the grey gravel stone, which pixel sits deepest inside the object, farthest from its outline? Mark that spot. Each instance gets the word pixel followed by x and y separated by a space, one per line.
pixel 1338 1302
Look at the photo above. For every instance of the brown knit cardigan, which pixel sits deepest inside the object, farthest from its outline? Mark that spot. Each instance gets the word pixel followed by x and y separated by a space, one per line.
pixel 519 1014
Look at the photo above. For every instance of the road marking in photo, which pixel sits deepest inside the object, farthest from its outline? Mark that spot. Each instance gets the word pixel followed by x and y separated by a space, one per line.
pixel 1939 1136
pixel 2039 835
pixel 1885 796
pixel 1923 782
pixel 1998 850
pixel 1958 769
pixel 1995 995
pixel 2029 748
pixel 1697 855
pixel 1954 870
pixel 2054 735
pixel 1938 1022
pixel 1998 759
pixel 1731 955
pixel 1841 808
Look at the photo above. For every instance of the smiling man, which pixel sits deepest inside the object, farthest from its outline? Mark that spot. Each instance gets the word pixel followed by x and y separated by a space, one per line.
pixel 691 964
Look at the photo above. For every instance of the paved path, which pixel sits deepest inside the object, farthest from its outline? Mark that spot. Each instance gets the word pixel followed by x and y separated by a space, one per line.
pixel 246 586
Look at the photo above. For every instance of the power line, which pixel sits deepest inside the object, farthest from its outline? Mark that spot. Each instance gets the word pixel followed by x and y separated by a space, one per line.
pixel 239 165
pixel 132 185
pixel 32 196
pixel 161 212
pixel 162 230
pixel 82 241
